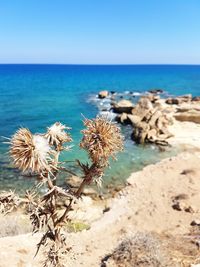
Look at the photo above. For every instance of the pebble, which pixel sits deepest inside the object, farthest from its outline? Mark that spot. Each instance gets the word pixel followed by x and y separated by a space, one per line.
pixel 195 222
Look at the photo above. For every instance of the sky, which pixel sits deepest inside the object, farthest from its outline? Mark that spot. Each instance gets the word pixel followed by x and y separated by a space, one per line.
pixel 100 31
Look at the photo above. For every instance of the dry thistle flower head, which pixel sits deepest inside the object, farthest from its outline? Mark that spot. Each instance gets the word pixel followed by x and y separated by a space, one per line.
pixel 31 152
pixel 102 139
pixel 57 136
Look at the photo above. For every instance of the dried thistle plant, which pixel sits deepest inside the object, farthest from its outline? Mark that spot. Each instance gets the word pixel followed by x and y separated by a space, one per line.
pixel 8 202
pixel 57 135
pixel 39 153
pixel 101 139
pixel 31 152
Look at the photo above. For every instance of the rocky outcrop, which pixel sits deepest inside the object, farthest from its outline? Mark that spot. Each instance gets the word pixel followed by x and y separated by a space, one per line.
pixel 103 94
pixel 123 106
pixel 179 100
pixel 196 98
pixel 190 115
pixel 150 122
pixel 153 116
pixel 149 118
pixel 152 131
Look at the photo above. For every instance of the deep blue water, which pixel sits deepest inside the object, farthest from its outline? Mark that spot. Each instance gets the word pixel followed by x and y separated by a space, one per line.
pixel 36 96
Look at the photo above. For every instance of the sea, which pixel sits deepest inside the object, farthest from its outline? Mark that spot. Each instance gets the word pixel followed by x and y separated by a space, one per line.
pixel 36 96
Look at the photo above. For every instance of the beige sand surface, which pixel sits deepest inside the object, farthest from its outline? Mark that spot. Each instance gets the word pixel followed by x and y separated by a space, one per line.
pixel 185 134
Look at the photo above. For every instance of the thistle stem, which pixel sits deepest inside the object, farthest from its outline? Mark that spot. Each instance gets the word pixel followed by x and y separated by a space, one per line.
pixel 86 180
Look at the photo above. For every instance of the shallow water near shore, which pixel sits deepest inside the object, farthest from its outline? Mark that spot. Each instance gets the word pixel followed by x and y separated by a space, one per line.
pixel 35 96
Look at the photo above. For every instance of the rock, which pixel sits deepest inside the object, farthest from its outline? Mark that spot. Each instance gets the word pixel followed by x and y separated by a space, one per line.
pixel 152 135
pixel 147 116
pixel 140 112
pixel 188 107
pixel 123 118
pixel 88 191
pixel 191 116
pixel 152 122
pixel 156 91
pixel 190 209
pixel 134 119
pixel 161 104
pixel 145 102
pixel 178 206
pixel 152 97
pixel 165 136
pixel 73 181
pixel 180 197
pixel 172 101
pixel 184 206
pixel 103 94
pixel 196 98
pixel 143 108
pixel 106 209
pixel 161 142
pixel 140 132
pixel 188 171
pixel 185 98
pixel 162 123
pixel 125 106
pixel 180 99
pixel 195 222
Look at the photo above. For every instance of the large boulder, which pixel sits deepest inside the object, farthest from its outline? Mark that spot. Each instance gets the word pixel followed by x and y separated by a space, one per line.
pixel 196 99
pixel 103 94
pixel 156 115
pixel 185 98
pixel 188 107
pixel 134 119
pixel 123 118
pixel 123 106
pixel 179 100
pixel 140 132
pixel 145 102
pixel 143 108
pixel 191 116
pixel 172 101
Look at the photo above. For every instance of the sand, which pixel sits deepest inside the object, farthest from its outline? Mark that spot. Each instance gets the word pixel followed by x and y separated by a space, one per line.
pixel 186 134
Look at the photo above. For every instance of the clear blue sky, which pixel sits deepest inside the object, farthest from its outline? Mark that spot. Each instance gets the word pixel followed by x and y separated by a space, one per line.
pixel 100 31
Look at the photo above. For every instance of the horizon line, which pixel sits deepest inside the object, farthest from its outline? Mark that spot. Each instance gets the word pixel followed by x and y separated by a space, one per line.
pixel 107 64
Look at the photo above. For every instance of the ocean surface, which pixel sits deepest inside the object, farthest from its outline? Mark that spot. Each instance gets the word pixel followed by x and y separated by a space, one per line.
pixel 36 96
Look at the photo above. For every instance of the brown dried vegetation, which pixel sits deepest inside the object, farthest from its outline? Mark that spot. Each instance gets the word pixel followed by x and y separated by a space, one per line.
pixel 39 154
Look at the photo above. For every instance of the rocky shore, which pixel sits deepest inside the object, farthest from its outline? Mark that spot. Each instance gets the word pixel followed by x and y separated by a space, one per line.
pixel 153 115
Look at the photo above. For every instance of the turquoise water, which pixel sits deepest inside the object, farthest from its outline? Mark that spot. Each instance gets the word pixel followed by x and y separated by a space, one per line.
pixel 36 96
